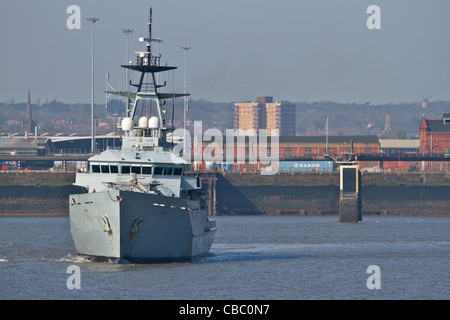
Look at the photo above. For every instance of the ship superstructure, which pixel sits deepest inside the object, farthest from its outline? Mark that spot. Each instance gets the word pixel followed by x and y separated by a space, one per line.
pixel 140 206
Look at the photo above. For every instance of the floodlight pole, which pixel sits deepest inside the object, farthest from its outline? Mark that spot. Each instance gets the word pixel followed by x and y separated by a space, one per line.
pixel 93 20
pixel 127 85
pixel 326 142
pixel 185 48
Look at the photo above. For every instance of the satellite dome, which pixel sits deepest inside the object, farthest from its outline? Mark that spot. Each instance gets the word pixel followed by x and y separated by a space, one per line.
pixel 153 123
pixel 143 123
pixel 127 124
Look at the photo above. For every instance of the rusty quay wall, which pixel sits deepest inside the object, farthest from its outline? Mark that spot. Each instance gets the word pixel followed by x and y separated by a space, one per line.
pixel 250 193
pixel 318 194
pixel 31 193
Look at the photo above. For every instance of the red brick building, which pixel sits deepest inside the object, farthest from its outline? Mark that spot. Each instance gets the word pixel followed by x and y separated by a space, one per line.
pixel 435 140
pixel 290 147
pixel 435 135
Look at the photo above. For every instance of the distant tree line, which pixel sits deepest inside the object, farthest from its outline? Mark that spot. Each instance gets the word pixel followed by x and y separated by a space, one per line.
pixel 400 120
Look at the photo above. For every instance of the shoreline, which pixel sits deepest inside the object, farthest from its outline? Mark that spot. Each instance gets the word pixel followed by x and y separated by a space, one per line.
pixel 63 214
pixel 28 214
pixel 45 194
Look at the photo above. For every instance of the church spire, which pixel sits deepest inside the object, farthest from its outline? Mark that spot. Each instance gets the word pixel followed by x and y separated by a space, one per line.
pixel 29 107
pixel 28 125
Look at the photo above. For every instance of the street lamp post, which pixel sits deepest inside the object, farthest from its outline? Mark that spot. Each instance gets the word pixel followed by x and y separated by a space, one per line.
pixel 326 142
pixel 93 20
pixel 186 105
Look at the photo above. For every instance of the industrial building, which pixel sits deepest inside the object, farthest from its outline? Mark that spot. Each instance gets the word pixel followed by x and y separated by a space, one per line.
pixel 399 146
pixel 26 146
pixel 317 152
pixel 333 145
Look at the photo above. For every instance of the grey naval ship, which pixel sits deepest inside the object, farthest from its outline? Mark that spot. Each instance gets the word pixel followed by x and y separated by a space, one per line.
pixel 139 205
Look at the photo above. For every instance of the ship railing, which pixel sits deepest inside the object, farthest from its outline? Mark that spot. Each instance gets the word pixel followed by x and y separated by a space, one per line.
pixel 19 152
pixel 68 152
pixel 39 152
pixel 150 60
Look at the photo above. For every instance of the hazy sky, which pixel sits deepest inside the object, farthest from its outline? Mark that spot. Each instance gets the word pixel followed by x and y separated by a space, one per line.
pixel 296 50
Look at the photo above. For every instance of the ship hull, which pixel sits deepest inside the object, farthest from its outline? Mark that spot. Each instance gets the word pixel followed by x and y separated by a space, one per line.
pixel 139 227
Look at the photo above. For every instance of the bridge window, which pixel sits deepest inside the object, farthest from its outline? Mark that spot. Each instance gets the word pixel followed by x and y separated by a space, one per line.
pixel 177 171
pixel 114 169
pixel 136 170
pixel 168 171
pixel 95 168
pixel 146 170
pixel 126 169
pixel 158 170
pixel 105 168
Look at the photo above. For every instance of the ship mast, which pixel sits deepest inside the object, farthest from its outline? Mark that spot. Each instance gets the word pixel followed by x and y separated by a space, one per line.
pixel 147 63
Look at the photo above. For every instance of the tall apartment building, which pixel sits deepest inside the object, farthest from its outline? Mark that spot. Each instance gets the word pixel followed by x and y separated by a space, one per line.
pixel 277 117
pixel 248 117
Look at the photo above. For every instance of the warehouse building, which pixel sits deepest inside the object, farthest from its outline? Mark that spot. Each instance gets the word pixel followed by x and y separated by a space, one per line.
pixel 318 152
pixel 26 146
